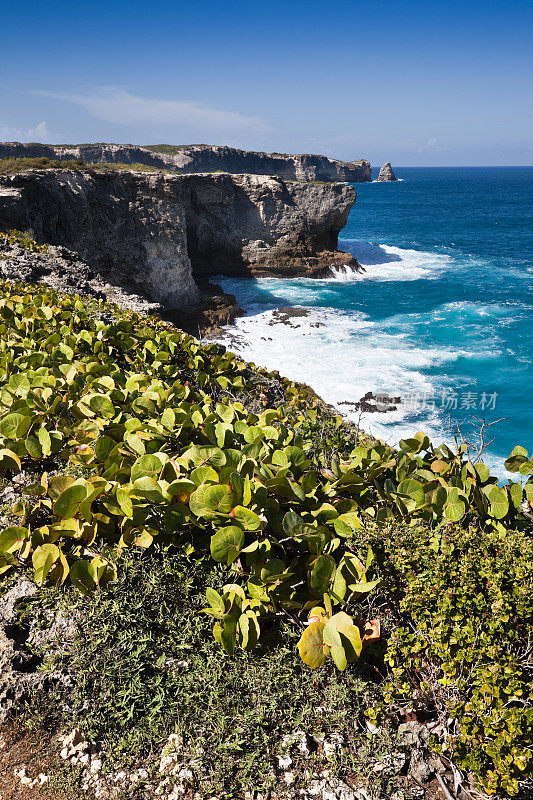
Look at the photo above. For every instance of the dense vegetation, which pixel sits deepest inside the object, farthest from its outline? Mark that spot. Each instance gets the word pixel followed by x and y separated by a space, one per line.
pixel 129 434
pixel 11 166
pixel 170 149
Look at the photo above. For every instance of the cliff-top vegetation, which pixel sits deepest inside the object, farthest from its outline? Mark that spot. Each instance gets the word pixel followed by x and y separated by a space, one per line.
pixel 170 149
pixel 127 439
pixel 174 149
pixel 10 166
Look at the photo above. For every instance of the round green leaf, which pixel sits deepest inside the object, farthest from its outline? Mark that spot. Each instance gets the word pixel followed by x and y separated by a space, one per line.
pixel 215 600
pixel 226 544
pixel 19 384
pixel 102 406
pixel 321 572
pixel 343 638
pixel 14 425
pixel 516 494
pixel 482 471
pixel 84 576
pixel 206 455
pixel 414 490
pixel 526 468
pixel 455 507
pixel 312 648
pixel 103 447
pixel 146 466
pixel 148 488
pixel 68 503
pixel 249 520
pixel 209 500
pixel 516 459
pixel 499 504
pixel 124 501
pixel 45 441
pixel 33 447
pixel 43 558
pixel 12 539
pixel 249 630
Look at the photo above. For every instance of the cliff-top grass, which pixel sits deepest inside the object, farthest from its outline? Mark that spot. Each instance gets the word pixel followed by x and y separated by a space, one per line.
pixel 11 166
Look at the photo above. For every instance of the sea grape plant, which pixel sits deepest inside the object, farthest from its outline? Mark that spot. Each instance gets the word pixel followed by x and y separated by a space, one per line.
pixel 23 240
pixel 132 437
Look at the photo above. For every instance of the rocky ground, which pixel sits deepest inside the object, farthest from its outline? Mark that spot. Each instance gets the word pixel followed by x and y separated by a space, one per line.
pixel 63 270
pixel 38 759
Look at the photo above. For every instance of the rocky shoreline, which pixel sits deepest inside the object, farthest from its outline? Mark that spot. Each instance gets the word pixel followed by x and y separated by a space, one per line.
pixel 62 270
pixel 152 242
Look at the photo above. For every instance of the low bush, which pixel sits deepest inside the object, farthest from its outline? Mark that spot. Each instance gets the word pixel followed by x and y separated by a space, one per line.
pixel 23 240
pixel 461 651
pixel 170 149
pixel 9 166
pixel 143 649
pixel 137 436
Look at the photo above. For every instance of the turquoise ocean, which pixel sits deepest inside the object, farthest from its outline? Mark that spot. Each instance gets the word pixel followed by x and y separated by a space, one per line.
pixel 442 316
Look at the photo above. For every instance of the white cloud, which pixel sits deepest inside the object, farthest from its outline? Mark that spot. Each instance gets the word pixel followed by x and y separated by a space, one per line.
pixel 432 146
pixel 38 134
pixel 117 105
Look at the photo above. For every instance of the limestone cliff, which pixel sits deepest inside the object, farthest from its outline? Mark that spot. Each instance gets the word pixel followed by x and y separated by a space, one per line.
pixel 162 235
pixel 201 158
pixel 386 173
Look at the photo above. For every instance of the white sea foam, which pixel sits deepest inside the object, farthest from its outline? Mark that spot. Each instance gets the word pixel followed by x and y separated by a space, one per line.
pixel 342 357
pixel 382 262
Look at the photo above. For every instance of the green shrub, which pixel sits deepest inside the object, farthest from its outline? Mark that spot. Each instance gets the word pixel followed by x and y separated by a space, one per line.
pixel 9 166
pixel 462 648
pixel 23 240
pixel 161 461
pixel 137 436
pixel 144 647
pixel 170 149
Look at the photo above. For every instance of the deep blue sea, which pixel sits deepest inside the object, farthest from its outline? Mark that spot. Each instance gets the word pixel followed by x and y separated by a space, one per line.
pixel 442 315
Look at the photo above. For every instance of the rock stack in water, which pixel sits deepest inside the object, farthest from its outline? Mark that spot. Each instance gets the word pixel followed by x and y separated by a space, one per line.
pixel 386 173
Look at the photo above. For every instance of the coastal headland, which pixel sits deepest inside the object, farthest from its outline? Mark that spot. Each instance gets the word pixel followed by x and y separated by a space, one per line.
pixel 160 235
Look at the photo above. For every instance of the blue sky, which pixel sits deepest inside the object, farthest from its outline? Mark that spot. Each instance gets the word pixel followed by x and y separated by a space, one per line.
pixel 416 83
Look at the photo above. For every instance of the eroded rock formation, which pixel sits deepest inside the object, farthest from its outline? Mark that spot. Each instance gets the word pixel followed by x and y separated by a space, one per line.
pixel 386 173
pixel 201 158
pixel 162 236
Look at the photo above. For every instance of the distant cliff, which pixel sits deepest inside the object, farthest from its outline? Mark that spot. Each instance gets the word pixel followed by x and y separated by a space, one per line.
pixel 163 235
pixel 201 158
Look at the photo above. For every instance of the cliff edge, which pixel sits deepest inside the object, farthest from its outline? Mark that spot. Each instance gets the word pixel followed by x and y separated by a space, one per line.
pixel 162 236
pixel 196 158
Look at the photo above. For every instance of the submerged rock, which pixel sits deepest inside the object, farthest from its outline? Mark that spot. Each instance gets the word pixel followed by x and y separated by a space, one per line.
pixel 386 173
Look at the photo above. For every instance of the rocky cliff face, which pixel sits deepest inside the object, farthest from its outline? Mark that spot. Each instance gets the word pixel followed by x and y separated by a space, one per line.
pixel 249 224
pixel 201 158
pixel 386 173
pixel 162 235
pixel 129 228
pixel 305 167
